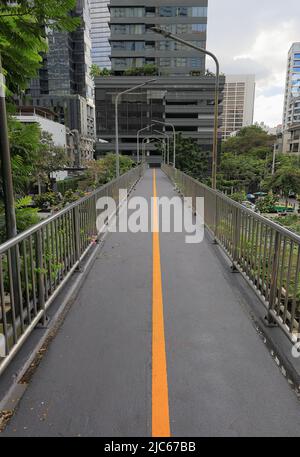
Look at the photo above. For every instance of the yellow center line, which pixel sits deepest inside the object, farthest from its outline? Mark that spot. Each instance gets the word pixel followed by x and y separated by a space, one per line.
pixel 160 396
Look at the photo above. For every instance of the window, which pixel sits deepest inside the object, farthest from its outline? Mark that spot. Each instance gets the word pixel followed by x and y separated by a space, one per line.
pixel 128 45
pixel 199 11
pixel 166 11
pixel 128 29
pixel 183 11
pixel 199 27
pixel 127 12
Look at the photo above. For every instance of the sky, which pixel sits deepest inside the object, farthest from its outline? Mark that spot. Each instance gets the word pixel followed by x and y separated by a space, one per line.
pixel 254 37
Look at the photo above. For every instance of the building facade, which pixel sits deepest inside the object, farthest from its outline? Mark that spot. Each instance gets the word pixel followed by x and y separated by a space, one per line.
pixel 291 110
pixel 238 103
pixel 64 85
pixel 185 102
pixel 100 33
pixel 134 45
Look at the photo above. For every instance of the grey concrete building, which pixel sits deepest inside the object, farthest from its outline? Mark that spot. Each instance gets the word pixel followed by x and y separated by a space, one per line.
pixel 185 102
pixel 64 84
pixel 133 44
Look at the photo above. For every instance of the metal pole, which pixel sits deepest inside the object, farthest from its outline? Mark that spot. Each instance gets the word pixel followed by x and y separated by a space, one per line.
pixel 174 140
pixel 138 140
pixel 217 87
pixel 9 199
pixel 8 191
pixel 117 120
pixel 168 138
pixel 146 139
pixel 274 160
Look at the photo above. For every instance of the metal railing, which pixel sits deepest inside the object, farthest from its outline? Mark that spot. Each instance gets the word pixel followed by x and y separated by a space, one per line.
pixel 36 264
pixel 267 254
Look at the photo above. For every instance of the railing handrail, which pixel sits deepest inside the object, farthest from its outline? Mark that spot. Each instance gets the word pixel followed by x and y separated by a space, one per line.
pixel 26 233
pixel 264 252
pixel 263 219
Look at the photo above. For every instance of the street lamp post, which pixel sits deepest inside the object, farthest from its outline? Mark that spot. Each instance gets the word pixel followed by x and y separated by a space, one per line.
pixel 9 200
pixel 151 140
pixel 168 143
pixel 174 140
pixel 118 96
pixel 138 140
pixel 216 111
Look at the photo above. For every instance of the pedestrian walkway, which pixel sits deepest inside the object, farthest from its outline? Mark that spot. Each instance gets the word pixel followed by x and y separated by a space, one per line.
pixel 157 343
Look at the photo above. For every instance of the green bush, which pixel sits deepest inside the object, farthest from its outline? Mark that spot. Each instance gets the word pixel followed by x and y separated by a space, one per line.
pixel 47 199
pixel 266 204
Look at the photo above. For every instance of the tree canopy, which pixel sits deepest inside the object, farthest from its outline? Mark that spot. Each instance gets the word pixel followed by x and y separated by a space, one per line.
pixel 251 139
pixel 23 26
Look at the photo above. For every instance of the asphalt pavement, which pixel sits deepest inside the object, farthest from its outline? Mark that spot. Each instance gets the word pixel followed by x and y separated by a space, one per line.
pixel 96 378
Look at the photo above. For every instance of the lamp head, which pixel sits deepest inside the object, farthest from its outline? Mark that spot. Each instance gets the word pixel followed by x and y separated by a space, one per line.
pixel 160 31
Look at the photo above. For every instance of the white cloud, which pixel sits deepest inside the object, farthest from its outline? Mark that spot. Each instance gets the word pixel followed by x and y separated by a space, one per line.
pixel 255 38
pixel 269 109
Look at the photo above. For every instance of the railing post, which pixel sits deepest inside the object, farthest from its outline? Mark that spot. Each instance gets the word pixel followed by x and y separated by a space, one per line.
pixel 274 277
pixel 77 234
pixel 216 224
pixel 41 274
pixel 236 237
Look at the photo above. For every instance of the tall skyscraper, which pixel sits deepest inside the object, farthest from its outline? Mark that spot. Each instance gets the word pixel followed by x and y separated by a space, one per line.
pixel 238 103
pixel 291 110
pixel 64 84
pixel 100 33
pixel 133 44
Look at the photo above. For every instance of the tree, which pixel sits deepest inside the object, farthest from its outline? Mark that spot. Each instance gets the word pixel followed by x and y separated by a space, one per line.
pixel 97 71
pixel 101 171
pixel 33 154
pixel 285 180
pixel 241 172
pixel 49 159
pixel 250 139
pixel 22 35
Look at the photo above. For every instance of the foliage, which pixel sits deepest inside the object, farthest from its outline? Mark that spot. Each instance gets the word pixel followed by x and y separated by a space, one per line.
pixel 22 35
pixel 286 179
pixel 33 155
pixel 145 70
pixel 266 204
pixel 49 159
pixel 238 197
pixel 47 199
pixel 68 184
pixel 242 172
pixel 190 158
pixel 26 216
pixel 101 171
pixel 292 222
pixel 24 145
pixel 97 71
pixel 250 140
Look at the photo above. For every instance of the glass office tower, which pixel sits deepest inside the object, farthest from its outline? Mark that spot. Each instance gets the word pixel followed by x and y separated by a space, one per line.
pixel 133 44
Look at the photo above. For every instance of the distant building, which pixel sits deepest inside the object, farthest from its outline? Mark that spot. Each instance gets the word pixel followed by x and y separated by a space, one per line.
pixel 238 103
pixel 185 102
pixel 64 85
pixel 181 95
pixel 291 110
pixel 291 139
pixel 100 33
pixel 133 44
pixel 45 119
